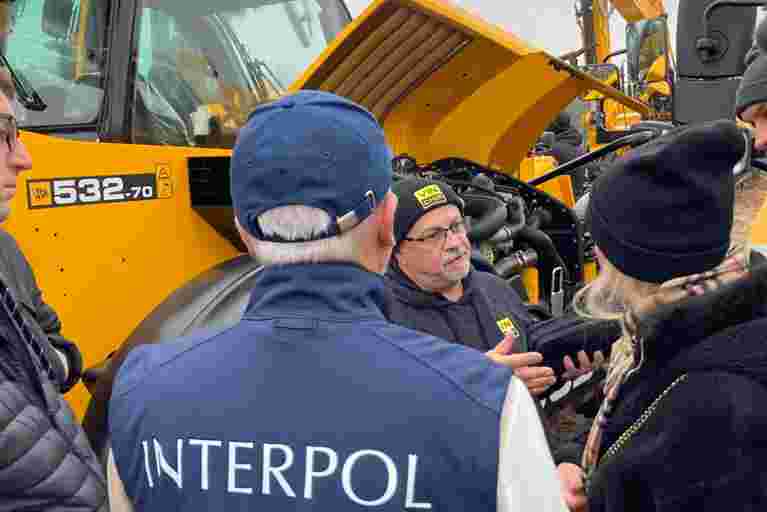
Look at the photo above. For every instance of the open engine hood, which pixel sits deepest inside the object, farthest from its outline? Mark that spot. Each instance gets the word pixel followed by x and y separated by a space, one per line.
pixel 445 83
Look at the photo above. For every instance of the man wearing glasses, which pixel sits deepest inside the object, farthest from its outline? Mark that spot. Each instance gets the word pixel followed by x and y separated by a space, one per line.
pixel 46 462
pixel 15 270
pixel 431 287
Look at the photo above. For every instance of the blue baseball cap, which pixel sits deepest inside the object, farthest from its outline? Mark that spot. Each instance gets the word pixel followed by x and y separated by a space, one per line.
pixel 314 149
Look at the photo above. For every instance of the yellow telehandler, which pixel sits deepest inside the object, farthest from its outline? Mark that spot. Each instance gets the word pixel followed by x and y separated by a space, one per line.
pixel 130 109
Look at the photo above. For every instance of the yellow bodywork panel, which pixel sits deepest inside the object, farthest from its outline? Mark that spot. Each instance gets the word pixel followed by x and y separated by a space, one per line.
pixel 618 116
pixel 560 187
pixel 530 279
pixel 445 83
pixel 104 267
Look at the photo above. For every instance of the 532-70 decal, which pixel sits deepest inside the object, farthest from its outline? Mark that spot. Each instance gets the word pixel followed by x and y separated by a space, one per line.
pixel 78 191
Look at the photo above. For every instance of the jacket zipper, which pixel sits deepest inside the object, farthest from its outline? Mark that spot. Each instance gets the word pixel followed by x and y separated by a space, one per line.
pixel 629 433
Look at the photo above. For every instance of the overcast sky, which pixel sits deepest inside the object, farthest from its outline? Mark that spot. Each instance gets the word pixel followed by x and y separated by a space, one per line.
pixel 548 24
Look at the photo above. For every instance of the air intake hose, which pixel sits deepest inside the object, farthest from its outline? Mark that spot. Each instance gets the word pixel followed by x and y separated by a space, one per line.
pixel 488 216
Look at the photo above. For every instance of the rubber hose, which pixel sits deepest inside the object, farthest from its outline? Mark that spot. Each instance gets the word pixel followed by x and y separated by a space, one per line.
pixel 488 216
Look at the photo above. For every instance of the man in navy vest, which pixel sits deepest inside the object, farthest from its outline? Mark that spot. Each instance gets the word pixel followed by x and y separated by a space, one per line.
pixel 314 401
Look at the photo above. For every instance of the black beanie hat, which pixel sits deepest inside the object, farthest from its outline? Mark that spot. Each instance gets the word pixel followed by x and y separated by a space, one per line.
pixel 753 86
pixel 416 196
pixel 666 209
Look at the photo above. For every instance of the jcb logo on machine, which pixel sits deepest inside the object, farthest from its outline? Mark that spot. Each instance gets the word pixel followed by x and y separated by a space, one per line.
pixel 91 190
pixel 430 195
pixel 506 325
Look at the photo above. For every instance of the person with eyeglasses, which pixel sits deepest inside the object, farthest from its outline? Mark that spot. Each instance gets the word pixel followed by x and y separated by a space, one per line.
pixel 432 287
pixel 46 462
pixel 15 269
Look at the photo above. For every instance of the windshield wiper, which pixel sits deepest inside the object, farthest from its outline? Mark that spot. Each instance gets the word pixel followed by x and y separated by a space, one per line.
pixel 260 70
pixel 26 93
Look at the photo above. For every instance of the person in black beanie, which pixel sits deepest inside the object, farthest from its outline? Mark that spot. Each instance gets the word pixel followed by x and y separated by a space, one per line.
pixel 751 96
pixel 682 425
pixel 751 99
pixel 431 287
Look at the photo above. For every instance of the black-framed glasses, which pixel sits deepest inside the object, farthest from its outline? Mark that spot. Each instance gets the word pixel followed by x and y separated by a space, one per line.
pixel 438 236
pixel 10 130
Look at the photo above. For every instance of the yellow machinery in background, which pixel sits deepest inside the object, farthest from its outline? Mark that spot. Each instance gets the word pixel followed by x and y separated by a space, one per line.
pixel 648 65
pixel 130 110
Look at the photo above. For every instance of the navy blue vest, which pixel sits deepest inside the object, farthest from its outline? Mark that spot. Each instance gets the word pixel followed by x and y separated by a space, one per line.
pixel 312 402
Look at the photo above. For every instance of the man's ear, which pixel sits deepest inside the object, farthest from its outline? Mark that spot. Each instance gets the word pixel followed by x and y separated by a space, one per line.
pixel 388 208
pixel 247 239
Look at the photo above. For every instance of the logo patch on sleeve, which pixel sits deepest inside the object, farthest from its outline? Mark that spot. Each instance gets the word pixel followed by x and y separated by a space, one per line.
pixel 430 195
pixel 506 325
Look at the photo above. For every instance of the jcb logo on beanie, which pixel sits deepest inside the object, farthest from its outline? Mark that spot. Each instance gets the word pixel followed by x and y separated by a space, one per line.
pixel 429 196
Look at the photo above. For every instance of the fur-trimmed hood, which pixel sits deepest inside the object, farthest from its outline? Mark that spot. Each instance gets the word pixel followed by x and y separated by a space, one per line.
pixel 723 330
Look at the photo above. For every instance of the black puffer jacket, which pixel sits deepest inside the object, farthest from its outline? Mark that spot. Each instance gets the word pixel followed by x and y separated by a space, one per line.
pixel 46 463
pixel 702 446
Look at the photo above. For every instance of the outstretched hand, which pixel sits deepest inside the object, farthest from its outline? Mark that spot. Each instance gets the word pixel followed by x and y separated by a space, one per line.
pixel 537 378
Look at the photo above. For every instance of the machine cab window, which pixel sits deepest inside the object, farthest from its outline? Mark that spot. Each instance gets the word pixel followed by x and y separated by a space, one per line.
pixel 202 67
pixel 57 50
pixel 195 70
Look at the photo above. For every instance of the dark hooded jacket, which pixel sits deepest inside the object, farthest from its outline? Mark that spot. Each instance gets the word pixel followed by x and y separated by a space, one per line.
pixel 701 446
pixel 562 127
pixel 569 141
pixel 488 310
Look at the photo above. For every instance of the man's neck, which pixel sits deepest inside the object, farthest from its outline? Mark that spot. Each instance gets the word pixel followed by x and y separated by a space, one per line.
pixel 454 293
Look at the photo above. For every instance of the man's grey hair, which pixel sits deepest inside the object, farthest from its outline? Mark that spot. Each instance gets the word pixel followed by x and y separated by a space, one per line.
pixel 298 222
